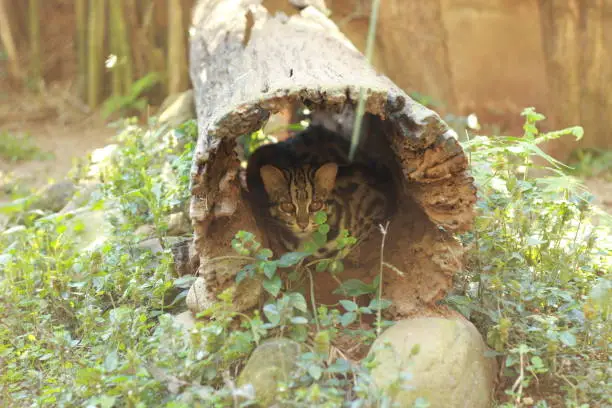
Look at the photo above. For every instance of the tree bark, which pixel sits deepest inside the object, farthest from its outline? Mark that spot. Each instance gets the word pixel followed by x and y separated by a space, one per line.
pixel 242 73
pixel 576 37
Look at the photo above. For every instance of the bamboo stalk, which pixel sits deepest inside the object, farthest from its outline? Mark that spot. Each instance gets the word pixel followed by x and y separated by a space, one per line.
pixel 34 37
pixel 6 36
pixel 80 9
pixel 115 47
pixel 137 56
pixel 177 58
pixel 96 51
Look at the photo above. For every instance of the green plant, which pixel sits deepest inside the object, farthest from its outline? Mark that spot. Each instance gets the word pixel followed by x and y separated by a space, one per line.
pixel 592 163
pixel 537 272
pixel 133 100
pixel 18 148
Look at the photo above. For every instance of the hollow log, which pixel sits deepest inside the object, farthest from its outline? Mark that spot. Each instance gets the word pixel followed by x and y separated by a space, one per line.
pixel 246 65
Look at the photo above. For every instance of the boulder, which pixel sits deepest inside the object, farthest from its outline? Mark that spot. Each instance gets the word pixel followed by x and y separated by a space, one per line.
pixel 441 361
pixel 54 196
pixel 177 109
pixel 81 197
pixel 178 224
pixel 271 362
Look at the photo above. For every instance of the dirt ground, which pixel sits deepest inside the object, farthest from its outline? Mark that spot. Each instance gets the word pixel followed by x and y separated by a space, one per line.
pixel 60 126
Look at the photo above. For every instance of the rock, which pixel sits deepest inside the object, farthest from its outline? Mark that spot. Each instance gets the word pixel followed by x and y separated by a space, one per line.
pixel 12 234
pixel 151 244
pixel 177 109
pixel 178 224
pixel 449 369
pixel 272 361
pixel 146 230
pixel 81 197
pixel 185 320
pixel 101 160
pixel 89 228
pixel 185 261
pixel 54 196
pixel 198 298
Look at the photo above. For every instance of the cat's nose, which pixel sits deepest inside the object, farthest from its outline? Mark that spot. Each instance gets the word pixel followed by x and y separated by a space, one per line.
pixel 302 225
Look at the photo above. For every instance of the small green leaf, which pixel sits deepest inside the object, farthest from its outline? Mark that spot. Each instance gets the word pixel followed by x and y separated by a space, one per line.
pixel 319 239
pixel 272 314
pixel 322 265
pixel 320 217
pixel 348 318
pixel 291 259
pixel 111 361
pixel 273 285
pixel 376 304
pixel 269 268
pixel 184 282
pixel 567 338
pixel 323 228
pixel 354 287
pixel 264 254
pixel 349 305
pixel 315 371
pixel 297 301
pixel 336 266
pixel 534 241
pixel 299 320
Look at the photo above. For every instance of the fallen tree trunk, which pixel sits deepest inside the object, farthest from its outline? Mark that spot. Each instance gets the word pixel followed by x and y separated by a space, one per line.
pixel 247 65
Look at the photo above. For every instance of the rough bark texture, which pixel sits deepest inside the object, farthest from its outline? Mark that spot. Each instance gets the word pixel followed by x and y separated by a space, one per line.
pixel 577 38
pixel 243 72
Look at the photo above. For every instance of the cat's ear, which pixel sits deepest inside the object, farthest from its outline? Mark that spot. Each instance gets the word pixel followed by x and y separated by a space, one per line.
pixel 325 176
pixel 273 178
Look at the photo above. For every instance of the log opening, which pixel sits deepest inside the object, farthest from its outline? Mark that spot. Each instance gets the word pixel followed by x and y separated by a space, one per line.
pixel 305 60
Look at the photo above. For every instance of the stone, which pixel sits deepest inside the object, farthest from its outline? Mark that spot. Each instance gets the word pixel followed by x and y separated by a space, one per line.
pixel 54 196
pixel 12 234
pixel 81 197
pixel 152 244
pixel 198 298
pixel 146 230
pixel 178 224
pixel 178 108
pixel 445 360
pixel 271 362
pixel 101 161
pixel 88 228
pixel 185 320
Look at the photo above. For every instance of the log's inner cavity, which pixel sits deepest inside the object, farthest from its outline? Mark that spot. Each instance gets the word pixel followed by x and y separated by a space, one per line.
pixel 409 228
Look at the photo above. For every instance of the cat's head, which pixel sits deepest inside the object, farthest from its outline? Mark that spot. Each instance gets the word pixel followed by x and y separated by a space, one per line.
pixel 296 195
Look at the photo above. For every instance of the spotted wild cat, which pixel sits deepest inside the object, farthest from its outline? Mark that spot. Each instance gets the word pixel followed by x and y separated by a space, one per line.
pixel 310 173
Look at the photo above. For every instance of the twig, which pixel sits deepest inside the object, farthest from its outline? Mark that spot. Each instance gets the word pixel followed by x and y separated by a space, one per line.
pixel 384 231
pixel 361 104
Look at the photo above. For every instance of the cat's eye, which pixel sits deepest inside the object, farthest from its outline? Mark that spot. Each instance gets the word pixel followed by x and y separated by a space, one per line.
pixel 315 206
pixel 287 207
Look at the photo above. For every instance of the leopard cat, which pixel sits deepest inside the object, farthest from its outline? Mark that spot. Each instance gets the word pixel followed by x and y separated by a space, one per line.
pixel 303 176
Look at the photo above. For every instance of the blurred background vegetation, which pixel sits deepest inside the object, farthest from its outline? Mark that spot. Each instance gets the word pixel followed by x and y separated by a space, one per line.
pixel 486 57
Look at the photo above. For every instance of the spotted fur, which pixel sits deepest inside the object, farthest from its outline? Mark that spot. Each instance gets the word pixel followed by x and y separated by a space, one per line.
pixel 311 172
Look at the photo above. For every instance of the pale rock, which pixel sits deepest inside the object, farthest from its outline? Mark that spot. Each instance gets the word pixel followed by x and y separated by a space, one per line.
pixel 449 368
pixel 54 196
pixel 81 197
pixel 197 297
pixel 271 362
pixel 178 108
pixel 178 224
